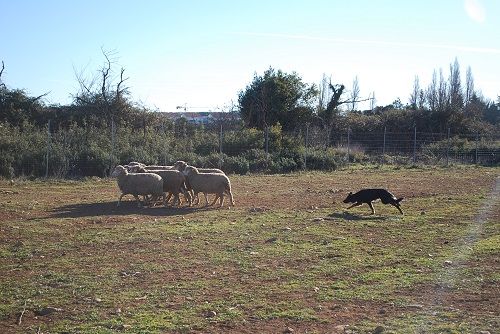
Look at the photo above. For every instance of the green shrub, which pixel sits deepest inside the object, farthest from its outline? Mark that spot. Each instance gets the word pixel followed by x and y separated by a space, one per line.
pixel 258 160
pixel 328 159
pixel 238 165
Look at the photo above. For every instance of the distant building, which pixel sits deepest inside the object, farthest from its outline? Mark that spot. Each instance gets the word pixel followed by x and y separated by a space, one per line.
pixel 202 117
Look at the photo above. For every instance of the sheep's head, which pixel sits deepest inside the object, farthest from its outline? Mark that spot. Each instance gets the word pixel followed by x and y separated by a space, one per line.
pixel 135 169
pixel 119 170
pixel 190 170
pixel 180 165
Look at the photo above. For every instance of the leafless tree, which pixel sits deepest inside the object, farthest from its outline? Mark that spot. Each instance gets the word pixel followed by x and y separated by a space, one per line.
pixel 455 86
pixel 324 92
pixel 104 91
pixel 442 95
pixel 432 92
pixel 354 94
pixel 373 102
pixel 330 116
pixel 414 96
pixel 1 72
pixel 469 86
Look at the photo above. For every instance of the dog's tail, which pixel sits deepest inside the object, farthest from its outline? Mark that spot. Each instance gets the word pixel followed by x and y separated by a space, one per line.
pixel 399 199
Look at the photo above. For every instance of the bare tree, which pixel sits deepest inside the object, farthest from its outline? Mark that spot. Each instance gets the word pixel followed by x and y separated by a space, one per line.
pixel 455 86
pixel 330 116
pixel 442 95
pixel 324 92
pixel 469 86
pixel 105 91
pixel 1 72
pixel 354 94
pixel 414 96
pixel 432 92
pixel 373 102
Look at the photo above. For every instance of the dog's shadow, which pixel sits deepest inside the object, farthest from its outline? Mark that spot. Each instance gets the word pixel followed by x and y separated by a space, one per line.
pixel 350 216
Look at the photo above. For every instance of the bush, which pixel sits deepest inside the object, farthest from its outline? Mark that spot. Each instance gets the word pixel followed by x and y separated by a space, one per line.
pixel 238 142
pixel 328 159
pixel 258 160
pixel 282 164
pixel 238 165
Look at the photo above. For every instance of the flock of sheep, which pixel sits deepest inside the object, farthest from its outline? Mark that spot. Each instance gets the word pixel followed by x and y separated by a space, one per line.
pixel 164 182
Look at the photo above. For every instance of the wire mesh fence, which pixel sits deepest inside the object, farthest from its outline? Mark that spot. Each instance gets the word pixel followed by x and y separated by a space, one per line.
pixel 90 151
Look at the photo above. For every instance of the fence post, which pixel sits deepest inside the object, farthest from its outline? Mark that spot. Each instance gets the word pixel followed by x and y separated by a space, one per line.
pixel 266 139
pixel 448 149
pixel 477 144
pixel 221 135
pixel 113 131
pixel 415 144
pixel 306 145
pixel 383 147
pixel 348 142
pixel 48 151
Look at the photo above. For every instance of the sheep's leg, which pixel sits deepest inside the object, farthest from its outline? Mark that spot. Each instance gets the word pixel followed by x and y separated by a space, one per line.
pixel 221 202
pixel 138 201
pixel 120 199
pixel 154 200
pixel 230 194
pixel 196 199
pixel 206 200
pixel 177 200
pixel 187 196
pixel 191 193
pixel 168 198
pixel 164 197
pixel 217 196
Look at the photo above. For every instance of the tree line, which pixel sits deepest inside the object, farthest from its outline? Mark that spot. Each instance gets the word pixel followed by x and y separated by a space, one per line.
pixel 272 109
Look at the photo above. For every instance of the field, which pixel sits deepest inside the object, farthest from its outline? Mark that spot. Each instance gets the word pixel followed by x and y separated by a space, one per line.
pixel 288 258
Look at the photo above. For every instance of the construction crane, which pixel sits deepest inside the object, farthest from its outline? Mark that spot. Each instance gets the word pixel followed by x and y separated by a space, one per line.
pixel 185 107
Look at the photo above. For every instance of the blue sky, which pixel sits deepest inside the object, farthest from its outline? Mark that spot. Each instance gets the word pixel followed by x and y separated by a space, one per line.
pixel 203 52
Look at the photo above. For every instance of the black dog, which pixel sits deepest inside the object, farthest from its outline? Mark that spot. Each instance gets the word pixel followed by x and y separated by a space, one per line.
pixel 369 195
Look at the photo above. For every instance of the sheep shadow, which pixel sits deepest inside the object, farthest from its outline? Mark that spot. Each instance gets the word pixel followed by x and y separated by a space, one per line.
pixel 350 216
pixel 126 208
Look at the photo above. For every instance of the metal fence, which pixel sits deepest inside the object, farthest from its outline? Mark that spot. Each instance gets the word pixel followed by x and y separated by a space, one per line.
pixel 84 152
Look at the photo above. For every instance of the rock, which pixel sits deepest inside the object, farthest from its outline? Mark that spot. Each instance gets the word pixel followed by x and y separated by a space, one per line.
pixel 123 326
pixel 47 310
pixel 340 328
pixel 210 314
pixel 288 330
pixel 378 330
pixel 484 332
pixel 319 219
pixel 448 262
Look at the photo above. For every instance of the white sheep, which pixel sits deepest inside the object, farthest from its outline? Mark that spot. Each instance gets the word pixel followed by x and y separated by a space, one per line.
pixel 173 184
pixel 138 184
pixel 158 167
pixel 181 165
pixel 209 183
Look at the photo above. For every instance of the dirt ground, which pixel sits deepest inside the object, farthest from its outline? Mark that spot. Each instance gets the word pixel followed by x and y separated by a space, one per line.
pixel 90 207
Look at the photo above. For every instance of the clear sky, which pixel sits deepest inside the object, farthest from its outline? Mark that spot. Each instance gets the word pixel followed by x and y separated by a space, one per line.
pixel 203 52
